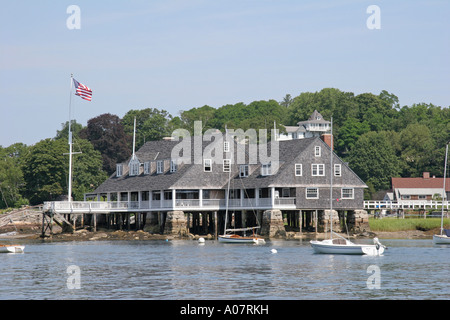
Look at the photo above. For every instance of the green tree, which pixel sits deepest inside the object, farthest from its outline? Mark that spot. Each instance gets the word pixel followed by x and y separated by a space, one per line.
pixel 151 124
pixel 374 160
pixel 418 148
pixel 11 175
pixel 64 132
pixel 204 114
pixel 46 170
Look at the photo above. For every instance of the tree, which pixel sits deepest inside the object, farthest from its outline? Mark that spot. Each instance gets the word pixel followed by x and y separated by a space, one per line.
pixel 151 124
pixel 11 176
pixel 64 132
pixel 204 114
pixel 46 170
pixel 417 149
pixel 349 133
pixel 106 133
pixel 374 160
pixel 287 100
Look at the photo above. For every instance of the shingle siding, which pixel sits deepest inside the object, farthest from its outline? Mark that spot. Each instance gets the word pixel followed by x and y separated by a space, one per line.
pixel 193 176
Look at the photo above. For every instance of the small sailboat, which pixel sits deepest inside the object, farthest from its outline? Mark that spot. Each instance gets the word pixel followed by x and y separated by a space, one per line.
pixel 341 245
pixel 229 235
pixel 444 236
pixel 11 248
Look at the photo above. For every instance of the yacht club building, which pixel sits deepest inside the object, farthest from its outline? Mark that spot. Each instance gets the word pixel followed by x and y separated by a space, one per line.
pixel 185 189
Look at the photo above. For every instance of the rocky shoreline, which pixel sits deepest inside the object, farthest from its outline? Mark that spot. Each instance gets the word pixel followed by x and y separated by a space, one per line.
pixel 33 231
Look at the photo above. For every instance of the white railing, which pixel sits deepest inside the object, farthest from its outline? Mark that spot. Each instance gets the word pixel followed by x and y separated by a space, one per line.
pixel 177 204
pixel 410 204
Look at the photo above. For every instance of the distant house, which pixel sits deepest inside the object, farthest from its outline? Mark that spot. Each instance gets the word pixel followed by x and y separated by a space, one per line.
pixel 315 126
pixel 425 188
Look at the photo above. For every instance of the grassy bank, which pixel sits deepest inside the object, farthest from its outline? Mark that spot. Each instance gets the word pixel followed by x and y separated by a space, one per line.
pixel 394 224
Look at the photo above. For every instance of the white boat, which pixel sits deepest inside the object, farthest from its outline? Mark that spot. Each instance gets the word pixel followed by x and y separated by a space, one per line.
pixel 344 246
pixel 444 236
pixel 341 245
pixel 235 238
pixel 11 248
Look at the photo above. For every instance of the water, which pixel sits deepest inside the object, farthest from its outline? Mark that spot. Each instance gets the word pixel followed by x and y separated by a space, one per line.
pixel 183 269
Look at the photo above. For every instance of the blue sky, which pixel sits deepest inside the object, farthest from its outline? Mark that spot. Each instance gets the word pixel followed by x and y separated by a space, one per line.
pixel 176 55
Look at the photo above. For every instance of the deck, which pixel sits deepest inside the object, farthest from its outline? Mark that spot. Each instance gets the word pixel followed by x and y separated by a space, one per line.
pixel 104 207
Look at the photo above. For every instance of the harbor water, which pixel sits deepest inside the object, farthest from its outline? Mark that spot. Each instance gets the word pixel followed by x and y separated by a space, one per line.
pixel 186 269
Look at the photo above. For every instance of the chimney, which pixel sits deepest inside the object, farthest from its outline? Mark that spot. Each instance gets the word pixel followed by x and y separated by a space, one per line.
pixel 326 137
pixel 426 175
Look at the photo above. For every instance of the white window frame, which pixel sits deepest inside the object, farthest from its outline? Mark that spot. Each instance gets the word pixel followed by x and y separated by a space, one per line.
pixel 346 195
pixel 173 166
pixel 159 166
pixel 119 170
pixel 134 167
pixel 317 151
pixel 207 165
pixel 266 169
pixel 298 170
pixel 226 146
pixel 337 170
pixel 317 170
pixel 147 167
pixel 226 165
pixel 308 195
pixel 243 170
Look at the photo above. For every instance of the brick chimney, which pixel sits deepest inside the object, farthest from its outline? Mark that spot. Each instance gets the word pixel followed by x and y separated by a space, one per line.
pixel 426 175
pixel 326 137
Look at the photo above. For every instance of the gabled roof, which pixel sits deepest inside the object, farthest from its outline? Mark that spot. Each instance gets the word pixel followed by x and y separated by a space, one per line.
pixel 192 176
pixel 315 117
pixel 419 183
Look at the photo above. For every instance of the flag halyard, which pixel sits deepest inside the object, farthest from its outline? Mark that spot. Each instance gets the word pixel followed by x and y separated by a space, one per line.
pixel 83 91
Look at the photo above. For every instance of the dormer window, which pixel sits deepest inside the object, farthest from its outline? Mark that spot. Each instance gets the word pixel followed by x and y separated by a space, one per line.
pixel 134 167
pixel 119 170
pixel 159 167
pixel 173 166
pixel 266 169
pixel 147 167
pixel 243 170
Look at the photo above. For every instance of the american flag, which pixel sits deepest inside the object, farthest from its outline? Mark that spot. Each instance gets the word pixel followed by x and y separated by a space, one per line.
pixel 82 91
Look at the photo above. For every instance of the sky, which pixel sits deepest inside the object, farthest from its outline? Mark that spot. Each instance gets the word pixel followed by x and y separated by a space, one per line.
pixel 180 54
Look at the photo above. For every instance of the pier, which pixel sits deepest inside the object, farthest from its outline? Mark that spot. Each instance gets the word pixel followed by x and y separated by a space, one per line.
pixel 278 218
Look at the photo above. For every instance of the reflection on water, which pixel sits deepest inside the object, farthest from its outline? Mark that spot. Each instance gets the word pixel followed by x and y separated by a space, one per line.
pixel 409 269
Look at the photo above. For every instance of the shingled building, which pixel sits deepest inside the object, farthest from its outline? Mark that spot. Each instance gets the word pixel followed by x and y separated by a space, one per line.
pixel 181 186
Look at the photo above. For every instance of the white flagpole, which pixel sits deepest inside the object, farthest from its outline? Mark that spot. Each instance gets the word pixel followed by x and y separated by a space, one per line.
pixel 69 193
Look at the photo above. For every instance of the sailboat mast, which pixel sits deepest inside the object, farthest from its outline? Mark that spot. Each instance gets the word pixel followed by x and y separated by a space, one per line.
pixel 331 181
pixel 227 196
pixel 443 190
pixel 69 191
pixel 134 139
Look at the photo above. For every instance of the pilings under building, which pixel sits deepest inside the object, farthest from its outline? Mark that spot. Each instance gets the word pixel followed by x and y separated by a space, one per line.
pixel 273 223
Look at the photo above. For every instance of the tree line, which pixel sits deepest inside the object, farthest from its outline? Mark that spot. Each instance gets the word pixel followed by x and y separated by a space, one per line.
pixel 373 133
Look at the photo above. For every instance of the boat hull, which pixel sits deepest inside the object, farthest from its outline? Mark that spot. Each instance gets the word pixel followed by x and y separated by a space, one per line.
pixel 328 247
pixel 441 239
pixel 11 248
pixel 239 239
